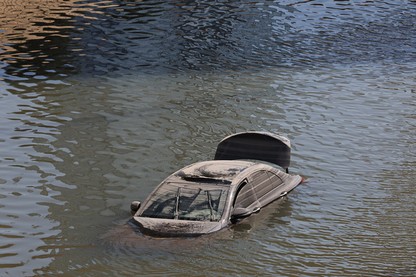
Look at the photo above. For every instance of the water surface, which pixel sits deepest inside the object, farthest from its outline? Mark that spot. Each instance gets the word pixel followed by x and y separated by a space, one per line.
pixel 99 101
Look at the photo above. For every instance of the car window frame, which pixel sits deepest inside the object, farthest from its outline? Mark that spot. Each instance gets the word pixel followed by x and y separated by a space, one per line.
pixel 244 184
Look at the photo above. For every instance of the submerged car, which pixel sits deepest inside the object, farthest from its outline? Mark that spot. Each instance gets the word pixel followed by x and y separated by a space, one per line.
pixel 249 171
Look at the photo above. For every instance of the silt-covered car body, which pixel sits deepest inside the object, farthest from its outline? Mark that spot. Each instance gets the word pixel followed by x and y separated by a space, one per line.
pixel 246 175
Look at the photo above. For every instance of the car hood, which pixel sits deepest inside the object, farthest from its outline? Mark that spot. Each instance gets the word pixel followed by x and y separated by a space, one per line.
pixel 170 227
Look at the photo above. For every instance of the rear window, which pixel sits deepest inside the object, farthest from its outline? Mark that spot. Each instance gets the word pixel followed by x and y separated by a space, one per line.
pixel 187 202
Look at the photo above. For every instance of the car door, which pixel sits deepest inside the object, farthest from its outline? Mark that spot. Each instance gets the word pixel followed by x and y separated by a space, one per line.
pixel 245 197
pixel 266 186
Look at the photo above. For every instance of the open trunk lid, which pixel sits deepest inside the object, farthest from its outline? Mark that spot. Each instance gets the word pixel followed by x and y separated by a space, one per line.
pixel 263 146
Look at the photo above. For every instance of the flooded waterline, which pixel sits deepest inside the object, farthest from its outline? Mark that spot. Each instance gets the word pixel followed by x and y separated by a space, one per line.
pixel 84 132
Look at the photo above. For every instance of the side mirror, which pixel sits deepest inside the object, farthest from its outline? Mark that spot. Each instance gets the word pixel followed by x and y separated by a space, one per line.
pixel 243 212
pixel 240 213
pixel 134 207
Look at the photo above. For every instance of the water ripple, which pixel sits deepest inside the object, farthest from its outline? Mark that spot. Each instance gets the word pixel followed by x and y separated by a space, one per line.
pixel 100 100
pixel 154 36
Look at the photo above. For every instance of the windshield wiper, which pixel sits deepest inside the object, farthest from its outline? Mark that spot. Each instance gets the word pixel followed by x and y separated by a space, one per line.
pixel 211 210
pixel 176 214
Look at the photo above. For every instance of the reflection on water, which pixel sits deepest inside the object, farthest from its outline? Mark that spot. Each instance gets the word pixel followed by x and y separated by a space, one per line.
pixel 55 39
pixel 100 101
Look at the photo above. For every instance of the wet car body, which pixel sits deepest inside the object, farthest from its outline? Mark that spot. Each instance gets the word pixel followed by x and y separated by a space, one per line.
pixel 250 170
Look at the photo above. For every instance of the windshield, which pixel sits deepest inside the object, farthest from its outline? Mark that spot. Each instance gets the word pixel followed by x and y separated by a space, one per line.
pixel 187 202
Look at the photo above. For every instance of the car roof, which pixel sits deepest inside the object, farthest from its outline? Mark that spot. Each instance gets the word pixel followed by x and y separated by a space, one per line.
pixel 225 170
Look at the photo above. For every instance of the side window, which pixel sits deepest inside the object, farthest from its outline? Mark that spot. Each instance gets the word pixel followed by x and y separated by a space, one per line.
pixel 261 183
pixel 264 182
pixel 275 180
pixel 245 196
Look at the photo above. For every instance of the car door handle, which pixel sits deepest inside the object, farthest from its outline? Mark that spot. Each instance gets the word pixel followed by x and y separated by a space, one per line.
pixel 283 194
